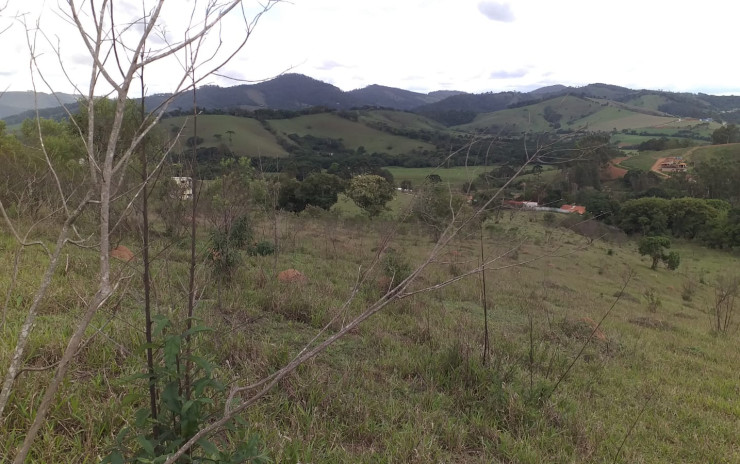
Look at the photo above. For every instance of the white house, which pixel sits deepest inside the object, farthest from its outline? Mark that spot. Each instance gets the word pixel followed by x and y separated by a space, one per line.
pixel 185 184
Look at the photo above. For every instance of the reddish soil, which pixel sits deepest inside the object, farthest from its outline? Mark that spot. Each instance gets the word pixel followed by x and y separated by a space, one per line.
pixel 656 167
pixel 122 253
pixel 612 171
pixel 292 276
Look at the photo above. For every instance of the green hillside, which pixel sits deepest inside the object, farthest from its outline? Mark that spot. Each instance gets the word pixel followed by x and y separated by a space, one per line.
pixel 649 102
pixel 400 120
pixel 586 114
pixel 249 137
pixel 532 117
pixel 610 118
pixel 353 134
pixel 716 152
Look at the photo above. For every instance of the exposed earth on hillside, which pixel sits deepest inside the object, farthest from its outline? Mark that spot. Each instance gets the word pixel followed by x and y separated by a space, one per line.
pixel 613 170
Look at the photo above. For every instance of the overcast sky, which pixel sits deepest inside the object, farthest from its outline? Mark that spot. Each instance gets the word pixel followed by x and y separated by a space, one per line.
pixel 426 45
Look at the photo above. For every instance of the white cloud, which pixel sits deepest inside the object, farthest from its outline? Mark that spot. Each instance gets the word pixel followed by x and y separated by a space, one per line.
pixel 496 11
pixel 508 74
pixel 428 45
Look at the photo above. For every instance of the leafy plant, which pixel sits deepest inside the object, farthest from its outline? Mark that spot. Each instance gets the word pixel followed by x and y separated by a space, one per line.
pixel 653 300
pixel 655 248
pixel 263 248
pixel 395 267
pixel 184 406
pixel 224 257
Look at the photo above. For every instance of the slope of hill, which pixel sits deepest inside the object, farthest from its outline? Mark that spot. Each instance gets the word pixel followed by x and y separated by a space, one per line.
pixel 562 110
pixel 479 103
pixel 578 113
pixel 289 91
pixel 12 103
pixel 250 137
pixel 352 134
pixel 390 97
pixel 400 120
pixel 296 91
pixel 245 136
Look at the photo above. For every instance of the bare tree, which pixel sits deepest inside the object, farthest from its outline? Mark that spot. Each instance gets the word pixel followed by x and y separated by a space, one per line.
pixel 119 51
pixel 119 46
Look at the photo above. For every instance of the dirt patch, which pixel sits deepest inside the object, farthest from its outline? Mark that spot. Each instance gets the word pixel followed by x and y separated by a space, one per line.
pixel 652 323
pixel 292 276
pixel 612 172
pixel 122 253
pixel 656 167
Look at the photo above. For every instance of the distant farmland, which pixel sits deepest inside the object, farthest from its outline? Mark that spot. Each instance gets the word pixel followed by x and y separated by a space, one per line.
pixel 352 134
pixel 247 136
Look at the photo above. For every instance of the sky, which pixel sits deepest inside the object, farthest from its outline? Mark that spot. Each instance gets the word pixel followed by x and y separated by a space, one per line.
pixel 419 45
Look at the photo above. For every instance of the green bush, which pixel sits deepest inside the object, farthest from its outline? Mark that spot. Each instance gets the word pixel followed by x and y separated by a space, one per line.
pixel 263 248
pixel 395 267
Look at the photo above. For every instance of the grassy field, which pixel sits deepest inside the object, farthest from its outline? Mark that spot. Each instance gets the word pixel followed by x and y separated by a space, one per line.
pixel 353 134
pixel 642 161
pixel 610 118
pixel 456 176
pixel 401 120
pixel 587 114
pixel 731 151
pixel 653 384
pixel 248 138
pixel 530 118
pixel 648 102
pixel 629 139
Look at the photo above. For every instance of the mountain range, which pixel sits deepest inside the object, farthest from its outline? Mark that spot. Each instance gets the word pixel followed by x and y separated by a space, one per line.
pixel 297 92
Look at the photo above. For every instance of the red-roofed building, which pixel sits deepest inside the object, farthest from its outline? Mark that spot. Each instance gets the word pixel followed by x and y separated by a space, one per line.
pixel 574 209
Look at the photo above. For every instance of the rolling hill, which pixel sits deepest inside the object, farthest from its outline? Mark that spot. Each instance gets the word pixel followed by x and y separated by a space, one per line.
pixel 251 137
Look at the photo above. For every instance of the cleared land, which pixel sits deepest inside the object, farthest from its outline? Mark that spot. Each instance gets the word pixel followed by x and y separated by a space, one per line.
pixel 643 161
pixel 531 117
pixel 728 151
pixel 456 176
pixel 248 136
pixel 401 120
pixel 353 134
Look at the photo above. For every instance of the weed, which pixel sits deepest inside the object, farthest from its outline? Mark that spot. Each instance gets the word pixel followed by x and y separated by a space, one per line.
pixel 395 267
pixel 653 300
pixel 263 248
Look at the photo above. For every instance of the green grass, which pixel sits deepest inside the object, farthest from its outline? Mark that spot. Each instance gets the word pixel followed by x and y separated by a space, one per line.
pixel 353 134
pixel 643 160
pixel 401 120
pixel 530 118
pixel 249 137
pixel 456 175
pixel 610 118
pixel 648 102
pixel 629 139
pixel 731 151
pixel 408 385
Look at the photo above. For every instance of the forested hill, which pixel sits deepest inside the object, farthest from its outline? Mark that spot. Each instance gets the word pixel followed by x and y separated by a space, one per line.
pixel 452 108
pixel 296 92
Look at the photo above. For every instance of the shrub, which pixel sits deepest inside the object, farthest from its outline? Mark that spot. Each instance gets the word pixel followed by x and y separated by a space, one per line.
pixel 263 248
pixel 653 300
pixel 395 267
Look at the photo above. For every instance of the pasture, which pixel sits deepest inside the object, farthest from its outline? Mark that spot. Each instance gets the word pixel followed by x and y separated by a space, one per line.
pixel 352 134
pixel 582 367
pixel 245 136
